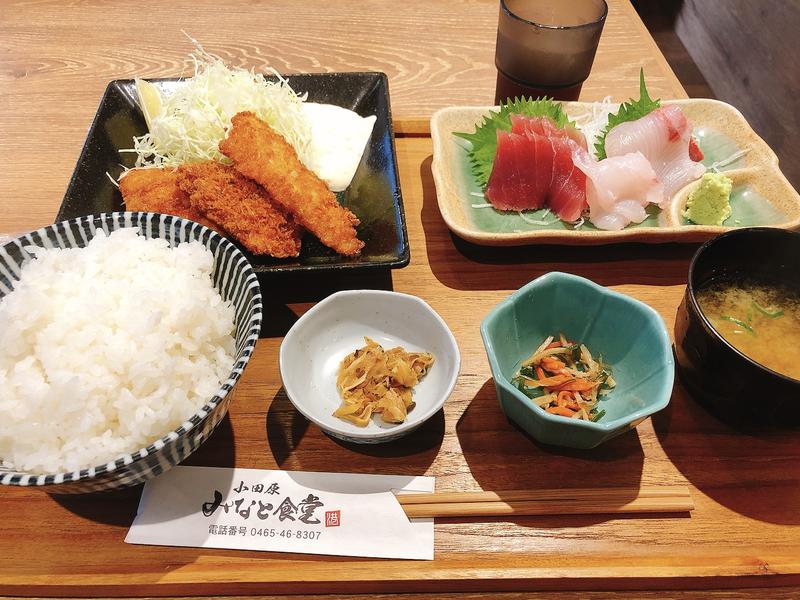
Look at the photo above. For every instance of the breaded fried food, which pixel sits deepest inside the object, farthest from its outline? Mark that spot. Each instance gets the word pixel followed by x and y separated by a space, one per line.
pixel 262 154
pixel 157 190
pixel 242 207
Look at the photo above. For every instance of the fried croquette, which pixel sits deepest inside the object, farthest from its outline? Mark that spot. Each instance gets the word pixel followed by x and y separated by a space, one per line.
pixel 157 190
pixel 262 154
pixel 242 207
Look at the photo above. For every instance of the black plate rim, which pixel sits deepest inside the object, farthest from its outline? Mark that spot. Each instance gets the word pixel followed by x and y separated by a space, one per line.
pixel 401 260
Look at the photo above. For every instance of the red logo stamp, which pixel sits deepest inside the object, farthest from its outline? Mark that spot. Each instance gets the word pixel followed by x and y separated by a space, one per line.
pixel 332 518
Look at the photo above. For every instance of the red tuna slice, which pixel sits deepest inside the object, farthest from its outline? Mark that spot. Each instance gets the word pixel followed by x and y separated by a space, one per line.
pixel 546 126
pixel 519 123
pixel 533 168
pixel 542 153
pixel 567 196
pixel 562 169
pixel 504 172
pixel 525 160
pixel 567 132
pixel 534 129
pixel 538 125
pixel 544 163
pixel 512 183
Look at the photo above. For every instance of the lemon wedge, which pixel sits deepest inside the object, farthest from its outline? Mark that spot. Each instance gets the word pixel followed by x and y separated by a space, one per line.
pixel 150 101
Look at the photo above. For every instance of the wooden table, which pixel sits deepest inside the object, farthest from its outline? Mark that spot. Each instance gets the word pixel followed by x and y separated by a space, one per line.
pixel 55 60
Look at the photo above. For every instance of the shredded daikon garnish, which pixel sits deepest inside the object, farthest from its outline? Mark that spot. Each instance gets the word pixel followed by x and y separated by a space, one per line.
pixel 593 121
pixel 194 118
pixel 534 221
pixel 715 167
pixel 113 181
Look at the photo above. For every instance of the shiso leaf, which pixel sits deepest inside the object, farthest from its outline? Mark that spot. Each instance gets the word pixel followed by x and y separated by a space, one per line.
pixel 484 139
pixel 628 111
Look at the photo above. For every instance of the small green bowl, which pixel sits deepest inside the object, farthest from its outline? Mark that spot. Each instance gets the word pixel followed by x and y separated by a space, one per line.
pixel 629 335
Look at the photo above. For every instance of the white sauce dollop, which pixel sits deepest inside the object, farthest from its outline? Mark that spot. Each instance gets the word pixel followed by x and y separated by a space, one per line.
pixel 338 139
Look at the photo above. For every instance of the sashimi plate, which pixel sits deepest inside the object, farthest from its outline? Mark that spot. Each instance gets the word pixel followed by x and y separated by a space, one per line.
pixel 761 194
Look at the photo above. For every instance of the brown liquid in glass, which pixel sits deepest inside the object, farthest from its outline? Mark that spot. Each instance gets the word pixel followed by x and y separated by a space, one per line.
pixel 508 89
pixel 558 14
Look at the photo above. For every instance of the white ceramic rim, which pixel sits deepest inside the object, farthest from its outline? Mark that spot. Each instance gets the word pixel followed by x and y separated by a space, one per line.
pixel 387 434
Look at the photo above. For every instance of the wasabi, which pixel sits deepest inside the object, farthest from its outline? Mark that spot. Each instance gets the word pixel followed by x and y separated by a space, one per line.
pixel 710 203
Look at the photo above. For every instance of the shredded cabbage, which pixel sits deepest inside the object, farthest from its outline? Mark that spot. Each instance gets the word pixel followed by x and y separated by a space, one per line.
pixel 195 117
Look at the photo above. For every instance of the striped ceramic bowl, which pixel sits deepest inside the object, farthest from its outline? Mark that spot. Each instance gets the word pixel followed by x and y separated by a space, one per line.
pixel 233 278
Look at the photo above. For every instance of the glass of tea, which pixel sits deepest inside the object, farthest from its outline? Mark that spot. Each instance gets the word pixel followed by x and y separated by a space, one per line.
pixel 546 47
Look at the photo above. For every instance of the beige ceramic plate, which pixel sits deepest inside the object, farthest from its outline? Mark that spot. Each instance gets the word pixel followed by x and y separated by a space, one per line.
pixel 761 194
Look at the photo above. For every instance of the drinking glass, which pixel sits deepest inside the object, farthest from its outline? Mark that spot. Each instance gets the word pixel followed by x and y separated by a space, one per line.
pixel 546 47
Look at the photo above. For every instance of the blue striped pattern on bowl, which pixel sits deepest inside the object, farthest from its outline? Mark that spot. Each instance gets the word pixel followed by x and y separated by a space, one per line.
pixel 233 278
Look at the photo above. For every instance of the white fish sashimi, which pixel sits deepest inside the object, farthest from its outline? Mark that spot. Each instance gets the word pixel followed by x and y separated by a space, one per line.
pixel 663 137
pixel 618 189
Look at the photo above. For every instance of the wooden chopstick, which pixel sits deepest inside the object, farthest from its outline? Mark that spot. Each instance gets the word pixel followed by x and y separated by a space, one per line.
pixel 648 499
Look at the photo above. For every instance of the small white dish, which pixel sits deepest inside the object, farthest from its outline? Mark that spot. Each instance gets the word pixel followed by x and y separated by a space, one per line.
pixel 313 349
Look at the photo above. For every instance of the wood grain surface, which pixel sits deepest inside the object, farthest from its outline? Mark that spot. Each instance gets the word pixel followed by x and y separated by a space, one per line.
pixel 772 593
pixel 56 58
pixel 744 531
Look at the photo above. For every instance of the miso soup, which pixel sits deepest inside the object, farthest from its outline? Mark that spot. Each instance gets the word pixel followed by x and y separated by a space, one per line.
pixel 761 321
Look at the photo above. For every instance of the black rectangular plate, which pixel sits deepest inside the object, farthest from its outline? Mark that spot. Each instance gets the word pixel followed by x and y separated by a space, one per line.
pixel 373 195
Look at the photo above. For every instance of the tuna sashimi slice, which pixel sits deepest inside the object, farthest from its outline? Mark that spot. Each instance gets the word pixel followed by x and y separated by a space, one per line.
pixel 528 159
pixel 570 201
pixel 533 168
pixel 562 166
pixel 521 155
pixel 567 196
pixel 544 163
pixel 567 132
pixel 512 183
pixel 534 129
pixel 546 127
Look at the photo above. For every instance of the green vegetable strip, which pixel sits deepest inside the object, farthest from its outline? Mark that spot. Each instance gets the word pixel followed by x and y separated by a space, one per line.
pixel 738 322
pixel 528 391
pixel 766 312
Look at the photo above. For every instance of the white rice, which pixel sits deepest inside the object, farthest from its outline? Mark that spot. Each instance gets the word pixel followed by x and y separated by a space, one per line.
pixel 105 349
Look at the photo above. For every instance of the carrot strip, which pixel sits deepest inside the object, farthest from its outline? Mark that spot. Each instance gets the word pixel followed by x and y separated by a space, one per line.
pixel 571 383
pixel 552 364
pixel 555 380
pixel 575 386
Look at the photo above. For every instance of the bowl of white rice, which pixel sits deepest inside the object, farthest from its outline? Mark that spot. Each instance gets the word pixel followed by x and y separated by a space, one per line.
pixel 121 337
